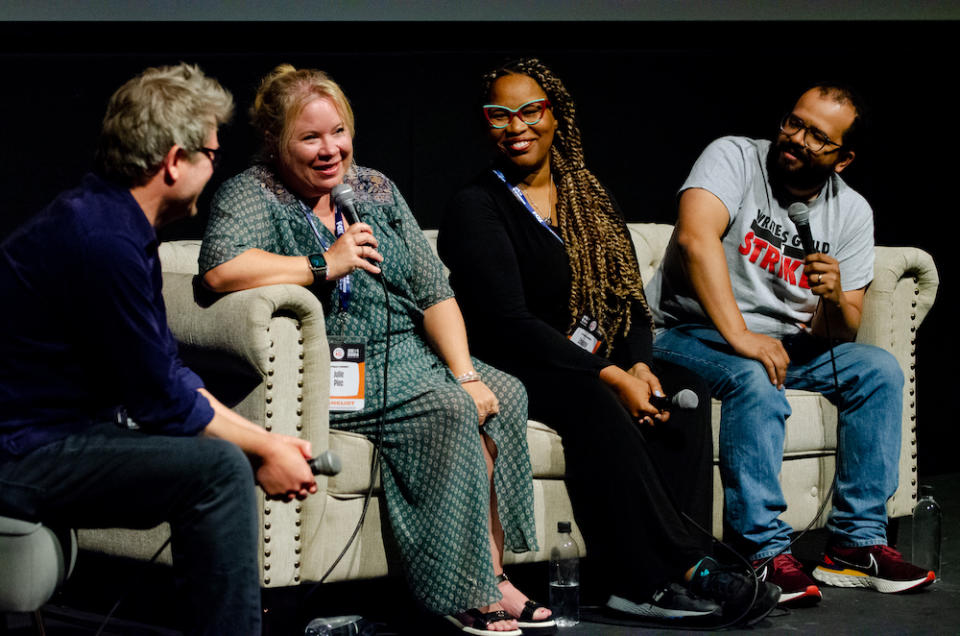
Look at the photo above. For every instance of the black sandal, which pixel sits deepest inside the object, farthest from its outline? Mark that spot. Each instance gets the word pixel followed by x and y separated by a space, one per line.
pixel 475 622
pixel 526 621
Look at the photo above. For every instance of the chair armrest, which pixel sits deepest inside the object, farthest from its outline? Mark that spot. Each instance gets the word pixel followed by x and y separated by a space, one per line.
pixel 264 353
pixel 903 290
pixel 258 350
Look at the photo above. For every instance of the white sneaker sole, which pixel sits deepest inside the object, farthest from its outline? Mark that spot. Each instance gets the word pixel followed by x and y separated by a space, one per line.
pixel 853 578
pixel 649 610
pixel 812 592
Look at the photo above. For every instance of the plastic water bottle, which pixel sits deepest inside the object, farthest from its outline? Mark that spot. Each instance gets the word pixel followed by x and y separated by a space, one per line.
pixel 337 626
pixel 565 578
pixel 926 531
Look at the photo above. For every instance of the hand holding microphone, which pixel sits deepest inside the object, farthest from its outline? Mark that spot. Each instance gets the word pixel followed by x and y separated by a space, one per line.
pixel 357 247
pixel 822 271
pixel 683 399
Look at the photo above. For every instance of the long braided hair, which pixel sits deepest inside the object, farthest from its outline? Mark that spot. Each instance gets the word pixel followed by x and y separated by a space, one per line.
pixel 605 276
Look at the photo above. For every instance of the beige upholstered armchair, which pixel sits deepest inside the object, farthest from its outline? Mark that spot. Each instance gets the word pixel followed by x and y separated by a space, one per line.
pixel 264 352
pixel 904 287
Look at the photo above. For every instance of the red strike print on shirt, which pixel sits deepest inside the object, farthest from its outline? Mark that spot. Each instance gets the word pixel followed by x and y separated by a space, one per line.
pixel 790 269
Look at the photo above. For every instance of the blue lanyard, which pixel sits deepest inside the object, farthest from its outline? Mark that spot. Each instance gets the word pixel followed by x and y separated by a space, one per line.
pixel 343 285
pixel 518 193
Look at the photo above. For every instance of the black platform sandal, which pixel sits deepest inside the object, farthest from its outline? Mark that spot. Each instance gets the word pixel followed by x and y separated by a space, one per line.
pixel 476 622
pixel 526 621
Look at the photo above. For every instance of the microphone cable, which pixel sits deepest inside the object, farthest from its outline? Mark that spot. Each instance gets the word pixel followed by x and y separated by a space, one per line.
pixel 374 470
pixel 693 623
pixel 124 595
pixel 833 483
pixel 836 385
pixel 377 443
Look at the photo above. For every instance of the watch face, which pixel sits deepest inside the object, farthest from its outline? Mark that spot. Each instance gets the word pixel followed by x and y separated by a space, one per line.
pixel 317 260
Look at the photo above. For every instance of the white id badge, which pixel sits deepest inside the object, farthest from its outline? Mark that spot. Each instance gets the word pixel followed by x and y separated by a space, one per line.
pixel 585 334
pixel 347 385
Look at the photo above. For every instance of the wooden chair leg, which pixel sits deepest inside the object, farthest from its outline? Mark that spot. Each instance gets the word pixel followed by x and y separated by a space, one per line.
pixel 38 623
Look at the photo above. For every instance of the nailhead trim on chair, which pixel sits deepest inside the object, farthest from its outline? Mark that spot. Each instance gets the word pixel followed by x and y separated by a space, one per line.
pixel 269 398
pixel 912 381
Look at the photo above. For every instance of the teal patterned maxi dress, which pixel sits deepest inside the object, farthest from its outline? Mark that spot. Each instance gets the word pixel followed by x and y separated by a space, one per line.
pixel 433 471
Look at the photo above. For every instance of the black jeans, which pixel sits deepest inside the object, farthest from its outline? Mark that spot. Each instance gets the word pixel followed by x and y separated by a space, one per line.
pixel 107 477
pixel 629 483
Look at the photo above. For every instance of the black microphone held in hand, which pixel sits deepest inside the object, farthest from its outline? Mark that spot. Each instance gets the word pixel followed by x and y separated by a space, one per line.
pixel 682 399
pixel 343 196
pixel 326 463
pixel 799 213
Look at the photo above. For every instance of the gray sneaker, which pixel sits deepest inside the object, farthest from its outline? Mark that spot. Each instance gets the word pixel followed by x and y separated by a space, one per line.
pixel 672 601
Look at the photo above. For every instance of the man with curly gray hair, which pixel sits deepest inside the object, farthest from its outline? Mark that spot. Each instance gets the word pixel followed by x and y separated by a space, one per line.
pixel 101 425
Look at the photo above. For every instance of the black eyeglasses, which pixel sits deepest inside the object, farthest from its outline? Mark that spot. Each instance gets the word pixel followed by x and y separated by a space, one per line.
pixel 213 154
pixel 814 139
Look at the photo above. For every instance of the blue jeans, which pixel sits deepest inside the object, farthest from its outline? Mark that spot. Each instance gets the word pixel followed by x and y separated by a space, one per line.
pixel 753 415
pixel 107 477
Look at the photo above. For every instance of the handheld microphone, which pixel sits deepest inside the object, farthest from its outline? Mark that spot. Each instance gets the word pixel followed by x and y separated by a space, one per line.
pixel 343 196
pixel 799 213
pixel 326 463
pixel 682 399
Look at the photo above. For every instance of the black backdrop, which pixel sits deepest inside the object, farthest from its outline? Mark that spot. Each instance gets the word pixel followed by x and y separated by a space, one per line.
pixel 651 95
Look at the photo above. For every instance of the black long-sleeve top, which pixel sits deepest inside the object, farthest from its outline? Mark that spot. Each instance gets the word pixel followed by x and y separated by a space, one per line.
pixel 512 280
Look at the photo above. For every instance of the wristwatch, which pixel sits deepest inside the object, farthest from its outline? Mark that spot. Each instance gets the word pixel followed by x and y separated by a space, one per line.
pixel 318 265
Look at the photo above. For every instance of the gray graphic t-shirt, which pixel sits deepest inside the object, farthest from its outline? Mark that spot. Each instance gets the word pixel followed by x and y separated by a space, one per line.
pixel 763 251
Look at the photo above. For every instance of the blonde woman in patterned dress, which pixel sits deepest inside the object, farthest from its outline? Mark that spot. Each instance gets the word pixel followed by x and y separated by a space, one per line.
pixel 456 470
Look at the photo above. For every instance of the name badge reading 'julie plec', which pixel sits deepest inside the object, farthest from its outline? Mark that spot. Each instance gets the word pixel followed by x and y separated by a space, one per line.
pixel 585 334
pixel 346 373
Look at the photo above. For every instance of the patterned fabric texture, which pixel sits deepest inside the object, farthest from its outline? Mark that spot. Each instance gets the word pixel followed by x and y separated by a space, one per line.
pixel 433 471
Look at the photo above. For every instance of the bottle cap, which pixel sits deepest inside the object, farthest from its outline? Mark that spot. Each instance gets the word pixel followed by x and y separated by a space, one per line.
pixel 563 526
pixel 926 490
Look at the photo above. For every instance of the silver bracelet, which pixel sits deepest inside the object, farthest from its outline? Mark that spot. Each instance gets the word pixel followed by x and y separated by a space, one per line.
pixel 469 376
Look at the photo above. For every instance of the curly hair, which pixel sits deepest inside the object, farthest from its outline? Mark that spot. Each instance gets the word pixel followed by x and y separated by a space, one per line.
pixel 283 94
pixel 160 108
pixel 605 276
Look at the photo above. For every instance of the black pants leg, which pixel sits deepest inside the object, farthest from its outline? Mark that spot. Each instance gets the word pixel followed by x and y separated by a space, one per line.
pixel 629 483
pixel 107 477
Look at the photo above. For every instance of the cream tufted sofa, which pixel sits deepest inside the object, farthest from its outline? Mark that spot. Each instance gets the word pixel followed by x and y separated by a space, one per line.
pixel 264 351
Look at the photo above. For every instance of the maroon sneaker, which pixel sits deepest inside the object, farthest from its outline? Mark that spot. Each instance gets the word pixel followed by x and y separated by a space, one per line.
pixel 875 566
pixel 785 571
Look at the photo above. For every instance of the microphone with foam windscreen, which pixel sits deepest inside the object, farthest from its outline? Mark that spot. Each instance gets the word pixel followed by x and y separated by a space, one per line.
pixel 343 196
pixel 682 399
pixel 326 463
pixel 799 213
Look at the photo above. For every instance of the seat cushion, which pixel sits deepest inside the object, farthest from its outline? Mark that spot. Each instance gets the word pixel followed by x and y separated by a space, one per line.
pixel 356 453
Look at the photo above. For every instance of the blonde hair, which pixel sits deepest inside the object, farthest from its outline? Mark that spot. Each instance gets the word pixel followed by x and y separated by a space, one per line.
pixel 283 94
pixel 148 115
pixel 605 275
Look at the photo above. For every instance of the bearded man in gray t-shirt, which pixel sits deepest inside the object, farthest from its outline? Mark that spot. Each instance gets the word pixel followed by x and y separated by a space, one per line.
pixel 741 303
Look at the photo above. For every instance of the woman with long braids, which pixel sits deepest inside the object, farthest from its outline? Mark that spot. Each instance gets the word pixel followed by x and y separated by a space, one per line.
pixel 546 275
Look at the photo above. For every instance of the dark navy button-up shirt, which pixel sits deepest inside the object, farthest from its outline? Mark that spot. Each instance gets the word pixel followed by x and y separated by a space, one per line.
pixel 83 327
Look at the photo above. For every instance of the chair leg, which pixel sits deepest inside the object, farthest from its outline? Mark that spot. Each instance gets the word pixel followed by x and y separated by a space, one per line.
pixel 893 531
pixel 38 623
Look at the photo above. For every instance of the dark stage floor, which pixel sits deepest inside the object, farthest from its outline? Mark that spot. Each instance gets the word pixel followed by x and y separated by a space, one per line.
pixel 80 607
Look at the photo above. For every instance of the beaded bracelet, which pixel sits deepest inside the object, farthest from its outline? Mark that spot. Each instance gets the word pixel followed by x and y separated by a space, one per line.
pixel 469 376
